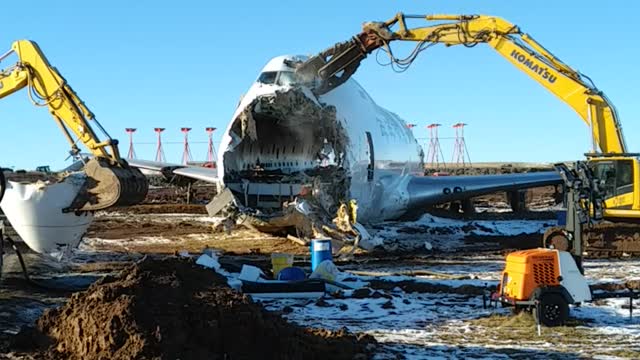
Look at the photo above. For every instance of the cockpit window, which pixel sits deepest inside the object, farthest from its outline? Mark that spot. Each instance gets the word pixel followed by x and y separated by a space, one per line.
pixel 268 77
pixel 286 78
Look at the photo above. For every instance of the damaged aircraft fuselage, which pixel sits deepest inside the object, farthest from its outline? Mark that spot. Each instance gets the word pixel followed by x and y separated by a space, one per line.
pixel 285 141
pixel 288 151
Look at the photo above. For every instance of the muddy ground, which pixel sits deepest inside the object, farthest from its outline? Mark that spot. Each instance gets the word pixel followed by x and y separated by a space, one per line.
pixel 424 293
pixel 428 326
pixel 169 308
pixel 117 238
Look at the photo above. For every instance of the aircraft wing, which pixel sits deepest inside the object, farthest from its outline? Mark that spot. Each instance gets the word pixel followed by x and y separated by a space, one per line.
pixel 429 190
pixel 198 173
pixel 169 170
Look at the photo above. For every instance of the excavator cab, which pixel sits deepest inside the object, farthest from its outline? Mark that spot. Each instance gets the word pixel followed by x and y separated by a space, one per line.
pixel 616 176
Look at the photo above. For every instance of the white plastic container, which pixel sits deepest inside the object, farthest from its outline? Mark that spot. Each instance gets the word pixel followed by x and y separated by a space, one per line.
pixel 35 212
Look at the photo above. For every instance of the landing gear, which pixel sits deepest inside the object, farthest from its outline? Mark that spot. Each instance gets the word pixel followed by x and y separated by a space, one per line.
pixel 551 310
pixel 517 200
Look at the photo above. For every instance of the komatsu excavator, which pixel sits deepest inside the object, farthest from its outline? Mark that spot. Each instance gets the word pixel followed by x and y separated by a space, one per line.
pixel 613 166
pixel 110 180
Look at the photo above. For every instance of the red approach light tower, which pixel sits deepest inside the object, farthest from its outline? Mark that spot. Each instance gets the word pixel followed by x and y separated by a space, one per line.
pixel 186 152
pixel 211 152
pixel 132 152
pixel 159 152
pixel 434 154
pixel 460 152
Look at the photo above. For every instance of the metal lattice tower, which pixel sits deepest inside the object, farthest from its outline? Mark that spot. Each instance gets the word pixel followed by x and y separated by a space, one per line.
pixel 132 152
pixel 159 152
pixel 186 151
pixel 435 157
pixel 211 152
pixel 460 152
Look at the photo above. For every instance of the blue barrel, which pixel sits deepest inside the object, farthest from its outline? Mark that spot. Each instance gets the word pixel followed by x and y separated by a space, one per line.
pixel 291 274
pixel 562 217
pixel 320 251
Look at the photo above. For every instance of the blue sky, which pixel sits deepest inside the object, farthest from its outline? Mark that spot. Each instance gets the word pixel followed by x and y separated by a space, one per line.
pixel 147 64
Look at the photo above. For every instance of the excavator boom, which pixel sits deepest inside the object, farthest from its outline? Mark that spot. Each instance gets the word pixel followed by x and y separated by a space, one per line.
pixel 611 164
pixel 335 65
pixel 110 180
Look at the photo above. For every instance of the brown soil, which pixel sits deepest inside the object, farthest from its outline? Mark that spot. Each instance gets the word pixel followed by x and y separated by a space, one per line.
pixel 116 229
pixel 200 194
pixel 164 209
pixel 129 230
pixel 172 308
pixel 544 196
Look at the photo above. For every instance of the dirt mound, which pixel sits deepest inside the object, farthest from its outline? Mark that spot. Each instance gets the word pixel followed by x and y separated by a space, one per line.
pixel 172 308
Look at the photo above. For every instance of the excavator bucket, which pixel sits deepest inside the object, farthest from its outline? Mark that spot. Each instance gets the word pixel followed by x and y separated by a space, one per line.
pixel 331 67
pixel 108 186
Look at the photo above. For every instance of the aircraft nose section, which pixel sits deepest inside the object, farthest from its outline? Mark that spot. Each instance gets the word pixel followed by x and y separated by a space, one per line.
pixel 35 212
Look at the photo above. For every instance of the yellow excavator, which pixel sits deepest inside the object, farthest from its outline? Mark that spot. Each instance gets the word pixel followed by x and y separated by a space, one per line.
pixel 110 180
pixel 617 170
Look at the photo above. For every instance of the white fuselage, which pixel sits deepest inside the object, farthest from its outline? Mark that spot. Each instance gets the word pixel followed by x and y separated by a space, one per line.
pixel 283 140
pixel 378 153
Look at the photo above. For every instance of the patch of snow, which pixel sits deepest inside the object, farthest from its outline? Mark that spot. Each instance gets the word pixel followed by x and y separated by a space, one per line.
pixel 432 326
pixel 445 234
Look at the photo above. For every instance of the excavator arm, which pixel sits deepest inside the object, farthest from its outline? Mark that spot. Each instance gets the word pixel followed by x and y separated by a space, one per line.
pixel 110 180
pixel 335 65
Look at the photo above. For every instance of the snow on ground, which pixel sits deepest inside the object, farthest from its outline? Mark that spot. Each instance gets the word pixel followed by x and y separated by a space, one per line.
pixel 448 234
pixel 454 324
pixel 91 243
pixel 612 270
pixel 471 267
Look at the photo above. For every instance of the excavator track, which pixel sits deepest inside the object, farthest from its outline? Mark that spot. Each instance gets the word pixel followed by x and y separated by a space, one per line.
pixel 603 240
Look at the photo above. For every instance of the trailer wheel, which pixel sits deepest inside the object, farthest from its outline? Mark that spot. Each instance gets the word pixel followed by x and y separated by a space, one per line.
pixel 553 310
